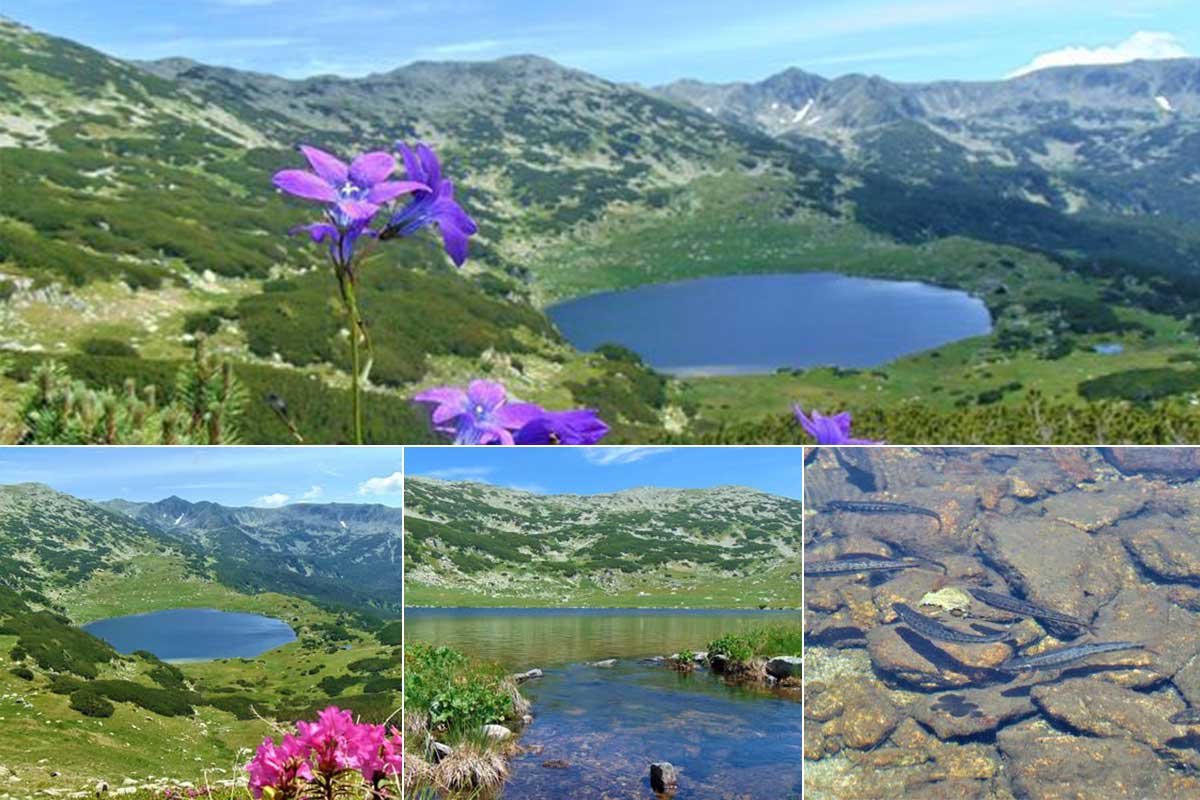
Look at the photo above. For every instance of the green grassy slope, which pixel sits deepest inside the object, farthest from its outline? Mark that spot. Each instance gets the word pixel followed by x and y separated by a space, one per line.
pixel 473 544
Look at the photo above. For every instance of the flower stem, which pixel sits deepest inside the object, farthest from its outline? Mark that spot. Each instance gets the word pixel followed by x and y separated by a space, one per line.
pixel 356 372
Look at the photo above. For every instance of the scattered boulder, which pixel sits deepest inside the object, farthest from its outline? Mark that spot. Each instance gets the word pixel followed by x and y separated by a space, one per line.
pixel 663 777
pixel 439 751
pixel 607 663
pixel 521 677
pixel 496 732
pixel 784 667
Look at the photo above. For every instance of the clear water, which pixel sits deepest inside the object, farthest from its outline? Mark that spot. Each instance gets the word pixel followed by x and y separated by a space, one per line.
pixel 523 638
pixel 758 323
pixel 608 725
pixel 193 634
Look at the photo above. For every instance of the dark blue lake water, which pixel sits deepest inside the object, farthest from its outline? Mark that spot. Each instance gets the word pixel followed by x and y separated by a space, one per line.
pixel 193 634
pixel 757 323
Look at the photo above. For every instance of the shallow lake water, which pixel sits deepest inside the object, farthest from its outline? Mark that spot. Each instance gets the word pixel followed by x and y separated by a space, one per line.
pixel 609 724
pixel 759 323
pixel 1081 569
pixel 193 634
pixel 522 638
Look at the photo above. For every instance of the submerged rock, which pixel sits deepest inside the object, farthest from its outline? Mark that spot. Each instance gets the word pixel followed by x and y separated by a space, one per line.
pixel 605 664
pixel 911 659
pixel 1051 765
pixel 1104 709
pixel 967 712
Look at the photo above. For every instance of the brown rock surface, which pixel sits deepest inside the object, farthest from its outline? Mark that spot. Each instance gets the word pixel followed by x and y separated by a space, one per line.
pixel 1050 765
pixel 916 661
pixel 1168 553
pixel 966 712
pixel 1169 463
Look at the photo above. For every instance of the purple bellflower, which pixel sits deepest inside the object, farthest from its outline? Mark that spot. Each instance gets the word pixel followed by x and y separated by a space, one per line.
pixel 353 194
pixel 482 414
pixel 581 426
pixel 432 205
pixel 828 430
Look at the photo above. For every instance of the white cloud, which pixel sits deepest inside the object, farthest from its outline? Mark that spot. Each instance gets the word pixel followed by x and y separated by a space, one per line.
pixel 607 456
pixel 1141 45
pixel 389 484
pixel 313 493
pixel 459 473
pixel 469 48
pixel 272 500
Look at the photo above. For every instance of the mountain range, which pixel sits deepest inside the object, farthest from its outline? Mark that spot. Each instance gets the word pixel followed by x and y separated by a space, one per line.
pixel 1121 139
pixel 490 540
pixel 339 554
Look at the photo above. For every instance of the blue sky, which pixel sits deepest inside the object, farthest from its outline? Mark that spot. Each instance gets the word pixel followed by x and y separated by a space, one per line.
pixel 633 40
pixel 262 476
pixel 589 470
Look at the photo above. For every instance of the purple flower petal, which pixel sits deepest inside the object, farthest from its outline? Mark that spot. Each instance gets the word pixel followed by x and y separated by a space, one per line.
pixel 332 169
pixel 828 430
pixel 515 416
pixel 450 401
pixel 380 193
pixel 485 395
pixel 371 168
pixel 430 165
pixel 357 210
pixel 412 165
pixel 581 426
pixel 304 184
pixel 318 231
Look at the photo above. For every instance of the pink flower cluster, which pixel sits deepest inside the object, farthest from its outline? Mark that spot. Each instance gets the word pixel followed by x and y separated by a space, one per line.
pixel 332 747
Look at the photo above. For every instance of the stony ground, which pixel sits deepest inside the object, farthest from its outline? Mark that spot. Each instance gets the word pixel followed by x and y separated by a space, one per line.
pixel 1103 534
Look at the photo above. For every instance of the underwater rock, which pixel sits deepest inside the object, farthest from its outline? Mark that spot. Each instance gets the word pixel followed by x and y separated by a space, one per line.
pixel 950 599
pixel 867 715
pixel 1094 510
pixel 1102 708
pixel 967 712
pixel 1166 553
pixel 1054 564
pixel 1174 464
pixel 1051 765
pixel 911 659
pixel 1147 615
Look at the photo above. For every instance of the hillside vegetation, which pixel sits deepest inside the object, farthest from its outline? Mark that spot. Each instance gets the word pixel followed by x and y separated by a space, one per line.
pixel 477 544
pixel 137 213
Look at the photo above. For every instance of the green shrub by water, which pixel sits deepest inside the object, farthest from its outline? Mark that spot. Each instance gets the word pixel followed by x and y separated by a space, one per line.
pixel 454 691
